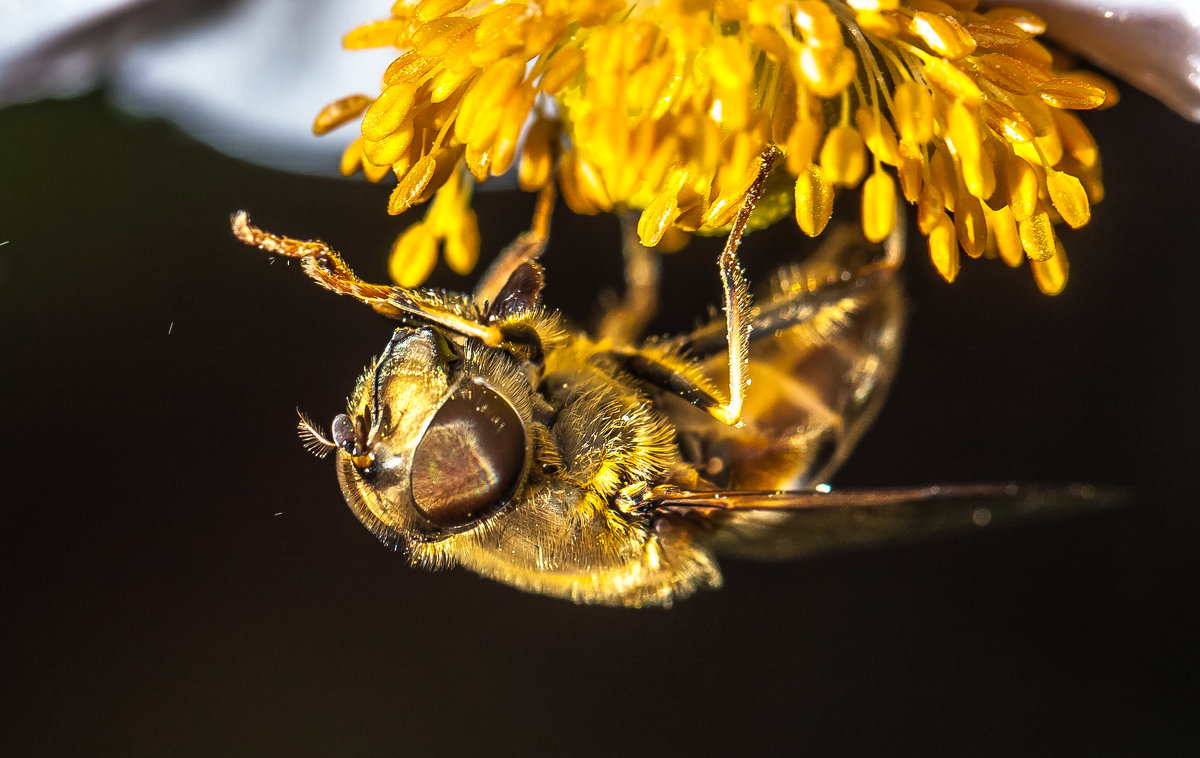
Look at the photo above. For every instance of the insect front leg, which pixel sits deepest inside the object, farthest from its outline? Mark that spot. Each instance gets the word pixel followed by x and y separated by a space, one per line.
pixel 524 250
pixel 626 321
pixel 326 267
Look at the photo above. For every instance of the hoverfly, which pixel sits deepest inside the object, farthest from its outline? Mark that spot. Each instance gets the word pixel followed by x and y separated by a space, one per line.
pixel 611 469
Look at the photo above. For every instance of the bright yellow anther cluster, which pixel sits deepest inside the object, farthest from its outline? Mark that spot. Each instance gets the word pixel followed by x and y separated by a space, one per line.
pixel 449 222
pixel 664 106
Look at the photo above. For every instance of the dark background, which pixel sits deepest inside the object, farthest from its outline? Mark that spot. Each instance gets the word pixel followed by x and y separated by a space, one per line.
pixel 178 577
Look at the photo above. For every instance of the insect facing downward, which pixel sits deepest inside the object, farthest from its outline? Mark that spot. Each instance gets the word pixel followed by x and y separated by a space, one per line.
pixel 609 469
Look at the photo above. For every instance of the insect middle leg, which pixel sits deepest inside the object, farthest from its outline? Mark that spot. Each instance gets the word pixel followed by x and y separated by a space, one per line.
pixel 737 295
pixel 664 366
pixel 819 298
pixel 824 344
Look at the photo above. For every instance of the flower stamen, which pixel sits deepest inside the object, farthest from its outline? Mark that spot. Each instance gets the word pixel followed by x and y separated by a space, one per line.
pixel 663 105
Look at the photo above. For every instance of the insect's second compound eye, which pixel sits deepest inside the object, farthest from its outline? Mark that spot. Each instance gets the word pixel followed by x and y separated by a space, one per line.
pixel 471 459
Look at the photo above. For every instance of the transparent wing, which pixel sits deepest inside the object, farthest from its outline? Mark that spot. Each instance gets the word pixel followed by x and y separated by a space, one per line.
pixel 781 525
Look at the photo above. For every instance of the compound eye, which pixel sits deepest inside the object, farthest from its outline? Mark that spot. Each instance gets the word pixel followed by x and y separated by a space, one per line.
pixel 471 459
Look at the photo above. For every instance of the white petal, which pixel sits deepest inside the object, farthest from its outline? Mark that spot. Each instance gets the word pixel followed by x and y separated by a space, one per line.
pixel 248 79
pixel 59 47
pixel 252 82
pixel 1152 44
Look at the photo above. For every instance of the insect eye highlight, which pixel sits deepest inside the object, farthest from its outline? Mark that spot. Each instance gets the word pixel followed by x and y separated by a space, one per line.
pixel 471 459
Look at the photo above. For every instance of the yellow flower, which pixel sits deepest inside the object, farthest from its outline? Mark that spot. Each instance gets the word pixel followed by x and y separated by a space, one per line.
pixel 664 106
pixel 449 223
